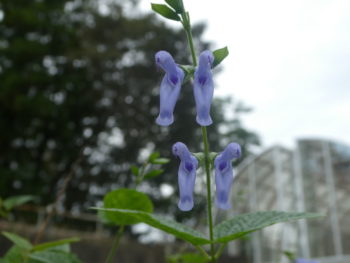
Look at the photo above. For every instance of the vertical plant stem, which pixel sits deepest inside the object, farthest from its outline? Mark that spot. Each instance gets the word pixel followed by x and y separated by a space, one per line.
pixel 207 172
pixel 220 250
pixel 187 27
pixel 115 245
pixel 190 42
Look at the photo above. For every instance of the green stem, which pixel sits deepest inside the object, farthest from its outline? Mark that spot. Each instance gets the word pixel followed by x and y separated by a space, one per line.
pixel 220 250
pixel 207 172
pixel 200 249
pixel 186 22
pixel 141 175
pixel 190 42
pixel 113 250
pixel 187 27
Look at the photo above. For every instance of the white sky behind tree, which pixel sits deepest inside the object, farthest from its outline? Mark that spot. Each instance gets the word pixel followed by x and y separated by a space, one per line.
pixel 289 60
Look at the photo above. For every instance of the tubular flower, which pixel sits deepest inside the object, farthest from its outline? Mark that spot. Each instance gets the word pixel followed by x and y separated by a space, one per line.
pixel 186 175
pixel 169 88
pixel 204 88
pixel 224 174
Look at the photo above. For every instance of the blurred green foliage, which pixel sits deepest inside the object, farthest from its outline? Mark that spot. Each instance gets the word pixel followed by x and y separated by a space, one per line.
pixel 74 79
pixel 23 250
pixel 8 204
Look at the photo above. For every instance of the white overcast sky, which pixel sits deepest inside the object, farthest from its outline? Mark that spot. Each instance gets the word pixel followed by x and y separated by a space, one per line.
pixel 289 60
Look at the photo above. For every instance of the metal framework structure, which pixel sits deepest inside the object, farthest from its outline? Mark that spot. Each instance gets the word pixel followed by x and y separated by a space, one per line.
pixel 314 177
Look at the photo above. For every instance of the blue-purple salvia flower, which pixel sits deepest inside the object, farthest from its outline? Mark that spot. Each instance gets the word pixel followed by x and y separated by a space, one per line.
pixel 224 174
pixel 169 88
pixel 203 88
pixel 186 175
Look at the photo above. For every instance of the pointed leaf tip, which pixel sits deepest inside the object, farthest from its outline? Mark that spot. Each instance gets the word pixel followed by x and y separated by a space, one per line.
pixel 165 11
pixel 241 225
pixel 176 5
pixel 220 55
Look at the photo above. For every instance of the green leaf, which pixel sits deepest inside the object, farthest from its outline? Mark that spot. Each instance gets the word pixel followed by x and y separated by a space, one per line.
pixel 54 257
pixel 160 161
pixel 194 258
pixel 165 11
pixel 14 201
pixel 290 255
pixel 174 228
pixel 153 173
pixel 241 225
pixel 176 5
pixel 153 156
pixel 219 55
pixel 187 258
pixel 15 255
pixel 56 243
pixel 135 170
pixel 62 248
pixel 18 241
pixel 125 199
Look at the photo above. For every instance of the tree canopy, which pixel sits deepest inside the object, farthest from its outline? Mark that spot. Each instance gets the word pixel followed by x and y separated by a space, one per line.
pixel 80 84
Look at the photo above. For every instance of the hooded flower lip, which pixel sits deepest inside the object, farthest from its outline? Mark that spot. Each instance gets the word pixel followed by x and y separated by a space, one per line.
pixel 169 88
pixel 224 174
pixel 186 175
pixel 204 88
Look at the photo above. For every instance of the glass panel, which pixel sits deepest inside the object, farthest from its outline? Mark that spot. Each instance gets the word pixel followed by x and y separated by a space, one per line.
pixel 341 170
pixel 316 193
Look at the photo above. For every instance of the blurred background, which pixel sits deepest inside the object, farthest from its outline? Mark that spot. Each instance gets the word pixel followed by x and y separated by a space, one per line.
pixel 79 97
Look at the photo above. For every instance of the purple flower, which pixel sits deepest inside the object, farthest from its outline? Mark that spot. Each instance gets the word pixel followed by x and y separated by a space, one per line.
pixel 204 88
pixel 169 88
pixel 303 260
pixel 186 175
pixel 224 174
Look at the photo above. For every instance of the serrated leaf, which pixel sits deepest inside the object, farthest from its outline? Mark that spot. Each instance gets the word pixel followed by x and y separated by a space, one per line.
pixel 54 257
pixel 241 225
pixel 56 243
pixel 18 241
pixel 134 170
pixel 165 11
pixel 160 161
pixel 176 5
pixel 153 173
pixel 125 199
pixel 219 55
pixel 14 201
pixel 172 227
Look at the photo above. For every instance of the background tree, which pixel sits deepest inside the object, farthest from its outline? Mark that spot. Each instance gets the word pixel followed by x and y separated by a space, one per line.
pixel 78 83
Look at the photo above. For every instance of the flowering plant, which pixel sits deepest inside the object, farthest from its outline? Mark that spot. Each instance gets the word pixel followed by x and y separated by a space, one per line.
pixel 118 210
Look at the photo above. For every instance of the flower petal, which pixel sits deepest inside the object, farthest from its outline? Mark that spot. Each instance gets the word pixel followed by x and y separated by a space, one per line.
pixel 224 174
pixel 186 175
pixel 169 88
pixel 168 98
pixel 203 88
